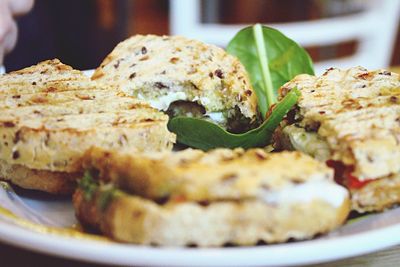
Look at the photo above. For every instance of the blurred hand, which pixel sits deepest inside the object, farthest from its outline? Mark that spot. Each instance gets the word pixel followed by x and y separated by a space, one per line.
pixel 9 9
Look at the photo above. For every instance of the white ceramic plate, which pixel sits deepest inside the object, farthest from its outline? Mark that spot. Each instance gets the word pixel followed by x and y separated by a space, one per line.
pixel 350 240
pixel 38 216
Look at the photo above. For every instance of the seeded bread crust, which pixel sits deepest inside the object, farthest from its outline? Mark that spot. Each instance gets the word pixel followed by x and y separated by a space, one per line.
pixel 197 175
pixel 51 114
pixel 357 112
pixel 152 67
pixel 377 195
pixel 60 183
pixel 140 221
pixel 46 77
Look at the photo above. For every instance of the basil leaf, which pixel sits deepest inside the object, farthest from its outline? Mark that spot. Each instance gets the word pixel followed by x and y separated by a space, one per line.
pixel 269 59
pixel 205 135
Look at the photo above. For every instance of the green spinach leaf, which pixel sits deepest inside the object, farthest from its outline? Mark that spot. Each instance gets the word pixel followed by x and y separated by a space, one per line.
pixel 271 59
pixel 205 135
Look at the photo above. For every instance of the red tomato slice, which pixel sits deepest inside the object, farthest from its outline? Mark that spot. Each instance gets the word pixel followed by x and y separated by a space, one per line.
pixel 354 183
pixel 344 177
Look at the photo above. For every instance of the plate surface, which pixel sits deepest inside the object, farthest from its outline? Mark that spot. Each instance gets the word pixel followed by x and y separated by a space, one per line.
pixel 41 223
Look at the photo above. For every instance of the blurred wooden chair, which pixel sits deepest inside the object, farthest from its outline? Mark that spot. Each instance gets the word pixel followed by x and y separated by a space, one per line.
pixel 374 28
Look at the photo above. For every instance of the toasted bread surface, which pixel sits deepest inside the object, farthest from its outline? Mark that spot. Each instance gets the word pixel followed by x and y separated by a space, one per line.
pixel 46 76
pixel 377 195
pixel 164 69
pixel 59 183
pixel 51 114
pixel 357 113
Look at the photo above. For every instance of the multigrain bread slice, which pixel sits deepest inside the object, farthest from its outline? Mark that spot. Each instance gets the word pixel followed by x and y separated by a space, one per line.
pixel 208 198
pixel 350 119
pixel 133 219
pixel 51 114
pixel 376 195
pixel 197 175
pixel 167 69
pixel 60 183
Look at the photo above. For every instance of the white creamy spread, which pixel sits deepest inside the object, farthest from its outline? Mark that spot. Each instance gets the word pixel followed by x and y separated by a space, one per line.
pixel 218 117
pixel 308 142
pixel 302 193
pixel 163 102
pixel 205 101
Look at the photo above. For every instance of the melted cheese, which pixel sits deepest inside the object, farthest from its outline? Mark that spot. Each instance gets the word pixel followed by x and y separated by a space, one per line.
pixel 217 117
pixel 325 191
pixel 163 102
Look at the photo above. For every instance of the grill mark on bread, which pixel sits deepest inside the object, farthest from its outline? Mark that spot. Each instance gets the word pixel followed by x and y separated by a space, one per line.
pixel 144 58
pixel 174 60
pixel 50 89
pixel 229 178
pixel 85 97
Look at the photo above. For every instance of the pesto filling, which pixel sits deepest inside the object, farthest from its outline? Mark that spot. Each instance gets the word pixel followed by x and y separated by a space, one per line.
pixel 311 143
pixel 92 189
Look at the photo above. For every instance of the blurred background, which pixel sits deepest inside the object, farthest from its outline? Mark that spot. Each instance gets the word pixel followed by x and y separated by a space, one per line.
pixel 335 32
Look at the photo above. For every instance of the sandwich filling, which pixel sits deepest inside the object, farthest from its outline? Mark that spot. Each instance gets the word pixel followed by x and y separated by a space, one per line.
pixel 178 182
pixel 324 191
pixel 232 120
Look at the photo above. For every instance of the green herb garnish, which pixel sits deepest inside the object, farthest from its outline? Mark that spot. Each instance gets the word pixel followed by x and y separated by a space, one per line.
pixel 88 185
pixel 271 59
pixel 205 135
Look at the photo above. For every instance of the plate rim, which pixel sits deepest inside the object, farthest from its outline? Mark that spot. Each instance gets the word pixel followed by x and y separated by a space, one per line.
pixel 271 255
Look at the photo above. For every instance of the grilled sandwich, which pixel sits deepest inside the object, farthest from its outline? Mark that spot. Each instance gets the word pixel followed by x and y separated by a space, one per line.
pixel 183 77
pixel 51 114
pixel 210 198
pixel 350 119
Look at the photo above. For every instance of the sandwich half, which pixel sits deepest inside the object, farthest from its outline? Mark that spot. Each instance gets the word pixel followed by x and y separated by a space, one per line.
pixel 210 198
pixel 350 119
pixel 183 77
pixel 51 114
